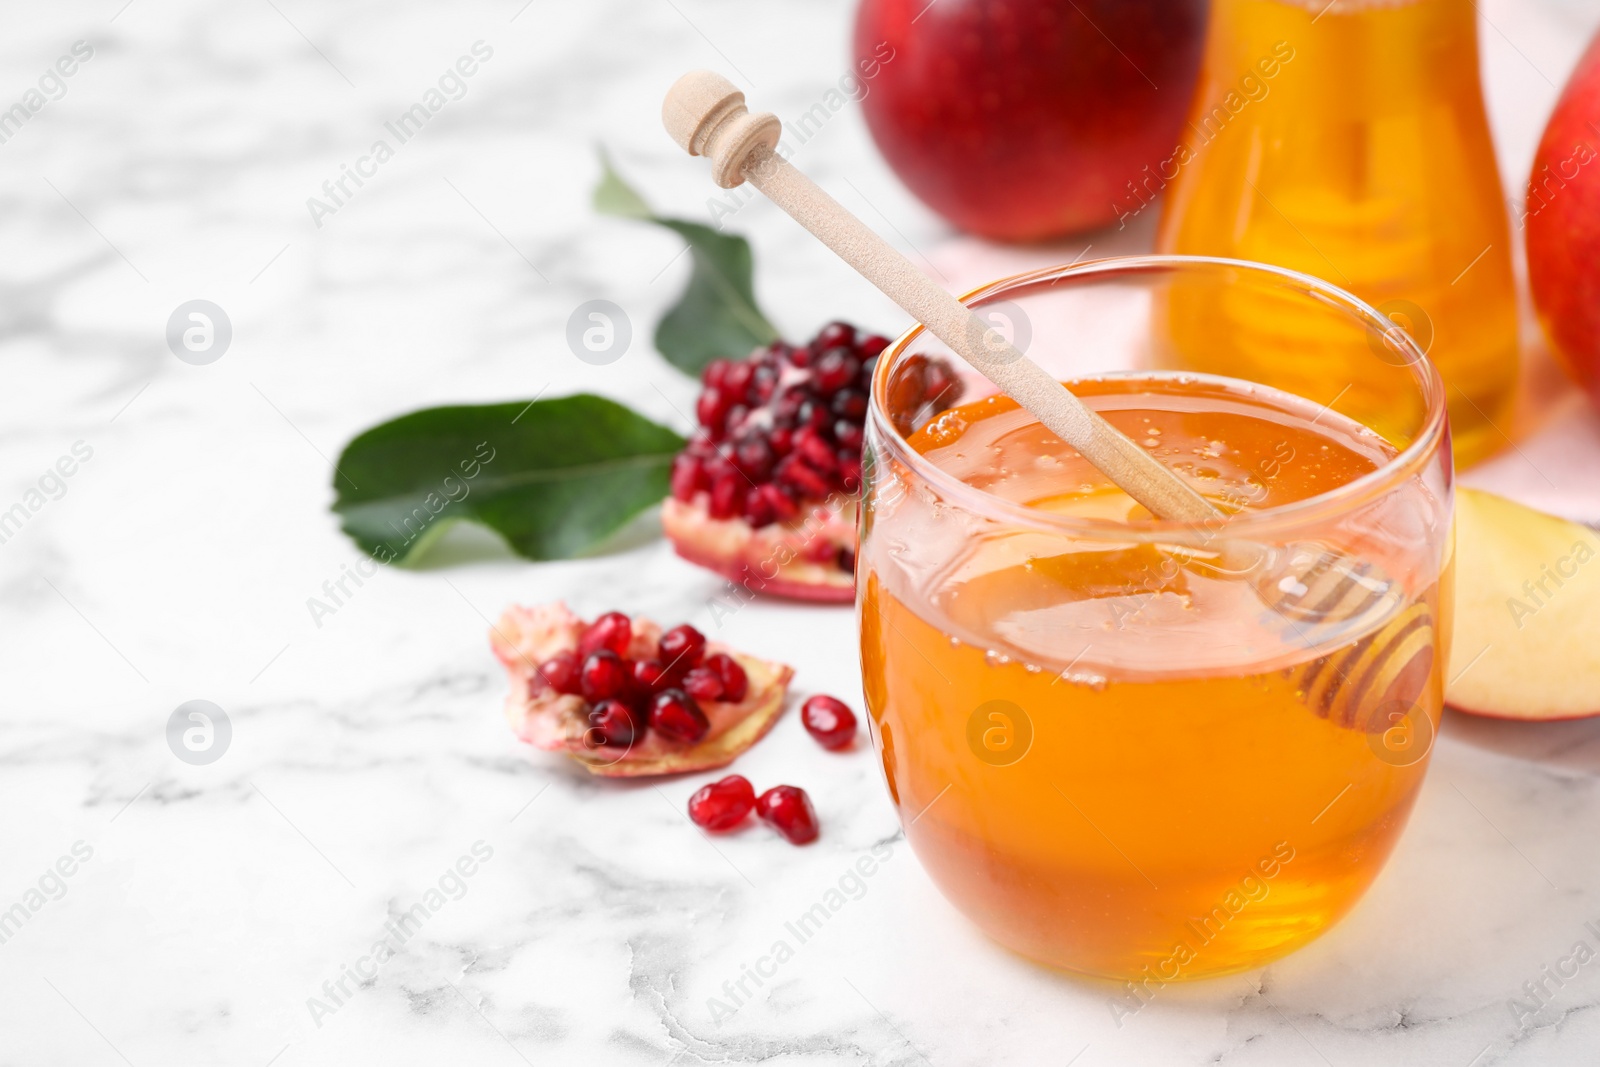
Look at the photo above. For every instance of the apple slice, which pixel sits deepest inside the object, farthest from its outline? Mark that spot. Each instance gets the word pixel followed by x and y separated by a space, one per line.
pixel 1527 614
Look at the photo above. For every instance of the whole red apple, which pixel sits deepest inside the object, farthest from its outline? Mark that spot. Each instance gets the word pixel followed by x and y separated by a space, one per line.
pixel 1562 216
pixel 1026 119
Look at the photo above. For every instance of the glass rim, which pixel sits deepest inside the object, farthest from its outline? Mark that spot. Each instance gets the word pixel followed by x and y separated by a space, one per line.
pixel 1341 499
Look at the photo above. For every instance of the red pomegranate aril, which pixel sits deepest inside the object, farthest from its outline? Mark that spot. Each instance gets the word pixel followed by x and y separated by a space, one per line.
pixel 735 683
pixel 779 504
pixel 727 493
pixel 712 410
pixel 688 477
pixel 835 334
pixel 754 457
pixel 787 809
pixel 847 560
pixel 814 415
pixel 649 676
pixel 757 510
pixel 848 404
pixel 611 722
pixel 722 805
pixel 850 475
pixel 780 440
pixel 613 630
pixel 675 716
pixel 800 357
pixel 682 648
pixel 704 684
pixel 810 446
pixel 835 369
pixel 793 474
pixel 560 672
pixel 848 434
pixel 716 372
pixel 763 383
pixel 736 379
pixel 828 720
pixel 868 347
pixel 603 676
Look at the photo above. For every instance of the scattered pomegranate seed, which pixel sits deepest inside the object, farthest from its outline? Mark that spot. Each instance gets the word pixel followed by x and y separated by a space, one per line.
pixel 703 683
pixel 681 648
pixel 613 630
pixel 724 804
pixel 675 716
pixel 603 676
pixel 735 683
pixel 830 721
pixel 560 673
pixel 611 722
pixel 788 810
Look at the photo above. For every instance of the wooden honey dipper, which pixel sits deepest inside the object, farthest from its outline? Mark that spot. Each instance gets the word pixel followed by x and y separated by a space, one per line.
pixel 1303 582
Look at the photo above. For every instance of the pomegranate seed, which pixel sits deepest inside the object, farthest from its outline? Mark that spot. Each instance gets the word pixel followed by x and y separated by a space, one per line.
pixel 781 440
pixel 829 721
pixel 703 683
pixel 787 809
pixel 737 379
pixel 868 347
pixel 793 473
pixel 649 676
pixel 814 415
pixel 560 672
pixel 716 372
pixel 736 416
pixel 688 477
pixel 779 503
pixel 727 493
pixel 675 716
pixel 754 457
pixel 800 357
pixel 611 722
pixel 848 434
pixel 735 683
pixel 849 404
pixel 941 389
pixel 613 630
pixel 757 509
pixel 835 333
pixel 847 560
pixel 763 383
pixel 603 676
pixel 869 367
pixel 835 369
pixel 724 804
pixel 815 451
pixel 682 648
pixel 712 411
pixel 850 475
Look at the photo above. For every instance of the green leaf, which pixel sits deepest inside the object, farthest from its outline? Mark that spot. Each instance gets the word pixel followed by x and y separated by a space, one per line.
pixel 552 477
pixel 717 314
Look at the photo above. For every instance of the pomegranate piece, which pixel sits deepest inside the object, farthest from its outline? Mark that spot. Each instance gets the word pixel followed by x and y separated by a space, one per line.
pixel 682 648
pixel 613 723
pixel 830 721
pixel 603 676
pixel 765 493
pixel 722 804
pixel 735 683
pixel 613 631
pixel 787 809
pixel 676 716
pixel 596 708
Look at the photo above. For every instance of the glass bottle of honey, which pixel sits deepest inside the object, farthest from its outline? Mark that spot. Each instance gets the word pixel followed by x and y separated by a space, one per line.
pixel 1348 140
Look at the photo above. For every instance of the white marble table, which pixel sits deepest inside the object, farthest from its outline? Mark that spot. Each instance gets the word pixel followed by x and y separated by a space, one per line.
pixel 206 904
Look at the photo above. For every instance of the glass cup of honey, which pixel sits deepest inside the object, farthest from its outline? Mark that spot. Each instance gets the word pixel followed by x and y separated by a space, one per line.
pixel 1112 750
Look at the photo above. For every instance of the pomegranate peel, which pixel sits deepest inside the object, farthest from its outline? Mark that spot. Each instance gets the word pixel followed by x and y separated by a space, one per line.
pixel 561 722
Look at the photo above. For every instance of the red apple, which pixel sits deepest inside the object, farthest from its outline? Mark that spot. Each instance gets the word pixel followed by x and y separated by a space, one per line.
pixel 1562 216
pixel 1026 119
